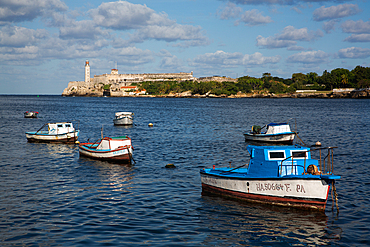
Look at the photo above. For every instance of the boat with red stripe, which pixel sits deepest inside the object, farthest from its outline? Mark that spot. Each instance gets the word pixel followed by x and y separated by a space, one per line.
pixel 117 149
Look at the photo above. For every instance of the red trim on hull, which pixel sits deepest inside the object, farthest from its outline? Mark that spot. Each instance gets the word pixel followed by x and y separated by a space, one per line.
pixel 282 201
pixel 120 159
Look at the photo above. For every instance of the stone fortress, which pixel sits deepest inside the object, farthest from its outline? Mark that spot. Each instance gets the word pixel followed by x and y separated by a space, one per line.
pixel 121 84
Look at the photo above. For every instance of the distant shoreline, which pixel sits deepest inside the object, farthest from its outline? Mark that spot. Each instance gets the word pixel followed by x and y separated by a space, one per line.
pixel 360 94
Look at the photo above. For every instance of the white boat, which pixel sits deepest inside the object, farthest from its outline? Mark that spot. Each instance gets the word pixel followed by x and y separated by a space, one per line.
pixel 117 149
pixel 123 118
pixel 63 132
pixel 279 175
pixel 31 114
pixel 275 133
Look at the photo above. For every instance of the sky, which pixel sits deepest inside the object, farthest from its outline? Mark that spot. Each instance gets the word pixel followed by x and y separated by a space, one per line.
pixel 44 43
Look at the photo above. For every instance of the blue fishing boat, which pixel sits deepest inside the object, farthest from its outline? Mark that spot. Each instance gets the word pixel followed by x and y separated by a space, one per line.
pixel 275 133
pixel 279 175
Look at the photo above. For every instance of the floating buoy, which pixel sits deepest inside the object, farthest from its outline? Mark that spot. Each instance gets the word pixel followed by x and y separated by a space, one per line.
pixel 150 125
pixel 77 142
pixel 170 166
pixel 318 143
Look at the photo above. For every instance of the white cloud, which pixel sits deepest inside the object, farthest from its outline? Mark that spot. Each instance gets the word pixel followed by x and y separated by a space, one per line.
pixel 335 12
pixel 170 33
pixel 146 23
pixel 84 29
pixel 356 26
pixel 220 58
pixel 302 34
pixel 131 55
pixel 288 37
pixel 26 10
pixel 123 15
pixel 223 59
pixel 230 11
pixel 273 42
pixel 308 57
pixel 14 36
pixel 329 25
pixel 354 52
pixel 258 2
pixel 358 38
pixel 279 2
pixel 258 59
pixel 254 17
pixel 171 63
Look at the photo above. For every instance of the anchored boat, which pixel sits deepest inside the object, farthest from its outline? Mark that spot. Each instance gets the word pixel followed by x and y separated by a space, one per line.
pixel 62 132
pixel 117 149
pixel 275 133
pixel 123 118
pixel 280 175
pixel 31 114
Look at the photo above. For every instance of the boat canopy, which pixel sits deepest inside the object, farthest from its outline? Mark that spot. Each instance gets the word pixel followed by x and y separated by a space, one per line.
pixel 123 113
pixel 274 124
pixel 278 128
pixel 108 143
pixel 60 128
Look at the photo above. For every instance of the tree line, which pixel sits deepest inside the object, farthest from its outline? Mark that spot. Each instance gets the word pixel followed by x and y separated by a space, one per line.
pixel 359 77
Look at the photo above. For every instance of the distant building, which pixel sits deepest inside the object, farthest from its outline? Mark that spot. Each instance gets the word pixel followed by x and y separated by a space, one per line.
pixel 117 81
pixel 87 72
pixel 217 78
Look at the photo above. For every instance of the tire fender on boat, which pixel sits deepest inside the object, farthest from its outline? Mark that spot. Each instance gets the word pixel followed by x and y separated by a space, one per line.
pixel 313 170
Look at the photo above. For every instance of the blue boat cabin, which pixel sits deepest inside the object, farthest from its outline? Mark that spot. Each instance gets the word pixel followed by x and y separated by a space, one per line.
pixel 279 161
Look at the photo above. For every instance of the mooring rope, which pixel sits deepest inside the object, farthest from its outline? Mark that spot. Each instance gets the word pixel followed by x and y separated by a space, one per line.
pixel 334 190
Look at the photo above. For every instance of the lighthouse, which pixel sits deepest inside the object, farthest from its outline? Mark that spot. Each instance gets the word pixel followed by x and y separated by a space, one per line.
pixel 87 71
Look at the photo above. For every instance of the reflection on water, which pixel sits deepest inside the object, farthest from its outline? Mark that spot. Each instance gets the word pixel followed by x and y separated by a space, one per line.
pixel 118 176
pixel 255 224
pixel 124 126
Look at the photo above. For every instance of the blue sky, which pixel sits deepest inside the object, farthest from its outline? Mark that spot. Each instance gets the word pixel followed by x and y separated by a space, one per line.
pixel 44 43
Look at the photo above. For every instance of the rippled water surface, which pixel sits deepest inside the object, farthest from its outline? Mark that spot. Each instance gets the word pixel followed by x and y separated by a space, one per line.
pixel 51 196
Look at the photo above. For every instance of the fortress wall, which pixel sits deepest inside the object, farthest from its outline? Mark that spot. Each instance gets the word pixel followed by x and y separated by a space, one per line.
pixel 94 86
pixel 129 78
pixel 217 78
pixel 181 75
pixel 76 83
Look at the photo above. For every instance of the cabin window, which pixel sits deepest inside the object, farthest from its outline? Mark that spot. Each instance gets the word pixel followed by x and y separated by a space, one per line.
pixel 60 125
pixel 68 125
pixel 299 154
pixel 276 155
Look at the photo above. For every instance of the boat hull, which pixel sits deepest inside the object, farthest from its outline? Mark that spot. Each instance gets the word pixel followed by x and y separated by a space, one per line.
pixel 30 114
pixel 42 136
pixel 274 138
pixel 123 121
pixel 293 192
pixel 119 155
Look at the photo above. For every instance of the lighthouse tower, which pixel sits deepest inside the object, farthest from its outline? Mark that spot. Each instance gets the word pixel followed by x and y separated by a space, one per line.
pixel 87 72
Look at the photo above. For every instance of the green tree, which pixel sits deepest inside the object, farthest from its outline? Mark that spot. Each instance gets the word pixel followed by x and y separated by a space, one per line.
pixel 327 80
pixel 299 80
pixel 277 87
pixel 360 73
pixel 341 77
pixel 312 78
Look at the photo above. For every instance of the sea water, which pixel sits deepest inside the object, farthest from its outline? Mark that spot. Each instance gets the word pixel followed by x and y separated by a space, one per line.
pixel 51 196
